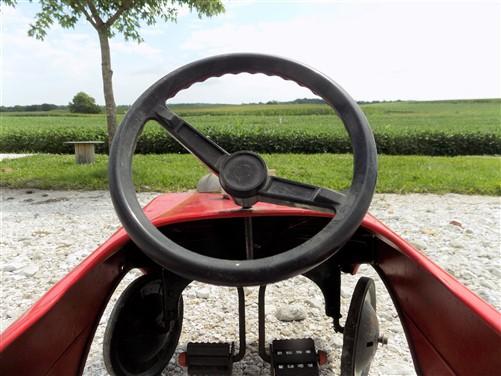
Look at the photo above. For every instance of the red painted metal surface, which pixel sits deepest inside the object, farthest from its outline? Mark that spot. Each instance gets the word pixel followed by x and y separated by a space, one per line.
pixel 449 329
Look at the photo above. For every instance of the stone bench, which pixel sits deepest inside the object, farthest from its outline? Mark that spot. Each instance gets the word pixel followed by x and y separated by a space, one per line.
pixel 85 151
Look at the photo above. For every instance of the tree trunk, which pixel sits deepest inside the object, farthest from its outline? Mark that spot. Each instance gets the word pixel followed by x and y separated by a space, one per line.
pixel 107 73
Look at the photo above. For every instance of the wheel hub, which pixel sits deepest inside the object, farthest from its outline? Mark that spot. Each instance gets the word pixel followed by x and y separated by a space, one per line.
pixel 243 174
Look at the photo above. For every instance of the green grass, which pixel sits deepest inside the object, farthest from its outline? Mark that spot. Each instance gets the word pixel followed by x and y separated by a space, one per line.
pixel 172 172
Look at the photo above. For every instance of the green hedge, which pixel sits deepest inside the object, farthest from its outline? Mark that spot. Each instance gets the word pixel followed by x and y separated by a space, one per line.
pixel 264 141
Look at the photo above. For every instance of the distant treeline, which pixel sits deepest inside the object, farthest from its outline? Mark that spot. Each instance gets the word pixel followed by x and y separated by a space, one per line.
pixel 32 108
pixel 48 107
pixel 124 108
pixel 320 101
pixel 273 102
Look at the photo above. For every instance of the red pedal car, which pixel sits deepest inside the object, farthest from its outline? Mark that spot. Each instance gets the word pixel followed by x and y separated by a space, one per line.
pixel 260 230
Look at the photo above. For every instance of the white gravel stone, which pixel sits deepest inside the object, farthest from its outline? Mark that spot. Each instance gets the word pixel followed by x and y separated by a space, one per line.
pixel 314 303
pixel 47 233
pixel 29 270
pixel 13 265
pixel 345 293
pixel 292 312
pixel 13 156
pixel 203 293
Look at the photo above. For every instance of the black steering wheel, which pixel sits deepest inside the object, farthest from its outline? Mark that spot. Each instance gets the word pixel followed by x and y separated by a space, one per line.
pixel 243 175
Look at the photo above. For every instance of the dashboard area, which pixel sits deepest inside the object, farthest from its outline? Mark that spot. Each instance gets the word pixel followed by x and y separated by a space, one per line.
pixel 225 238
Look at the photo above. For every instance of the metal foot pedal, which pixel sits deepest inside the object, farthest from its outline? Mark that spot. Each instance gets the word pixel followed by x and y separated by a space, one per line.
pixel 205 359
pixel 294 357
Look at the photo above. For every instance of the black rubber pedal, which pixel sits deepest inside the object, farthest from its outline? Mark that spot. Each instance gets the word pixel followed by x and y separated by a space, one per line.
pixel 294 357
pixel 207 359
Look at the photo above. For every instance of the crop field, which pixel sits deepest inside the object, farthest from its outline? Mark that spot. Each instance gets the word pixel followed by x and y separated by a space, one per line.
pixel 465 127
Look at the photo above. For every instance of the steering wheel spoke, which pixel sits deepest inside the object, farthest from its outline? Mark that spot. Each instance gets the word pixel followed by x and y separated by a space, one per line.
pixel 192 140
pixel 291 193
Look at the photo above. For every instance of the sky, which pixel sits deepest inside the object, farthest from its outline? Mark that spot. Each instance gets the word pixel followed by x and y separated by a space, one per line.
pixel 376 50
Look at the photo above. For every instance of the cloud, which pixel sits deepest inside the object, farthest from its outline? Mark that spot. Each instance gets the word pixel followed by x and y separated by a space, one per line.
pixel 375 51
pixel 379 51
pixel 66 62
pixel 143 49
pixel 63 57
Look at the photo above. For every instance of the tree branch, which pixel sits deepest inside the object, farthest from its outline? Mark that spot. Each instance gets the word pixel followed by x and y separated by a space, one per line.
pixel 125 7
pixel 78 7
pixel 95 14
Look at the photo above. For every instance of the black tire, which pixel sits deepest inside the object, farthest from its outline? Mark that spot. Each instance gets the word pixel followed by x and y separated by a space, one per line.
pixel 135 341
pixel 361 331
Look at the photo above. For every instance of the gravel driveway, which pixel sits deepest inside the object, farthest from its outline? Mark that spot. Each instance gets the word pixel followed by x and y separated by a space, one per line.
pixel 46 233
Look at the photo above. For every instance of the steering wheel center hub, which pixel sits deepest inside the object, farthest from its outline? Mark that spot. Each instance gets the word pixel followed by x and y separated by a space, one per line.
pixel 243 174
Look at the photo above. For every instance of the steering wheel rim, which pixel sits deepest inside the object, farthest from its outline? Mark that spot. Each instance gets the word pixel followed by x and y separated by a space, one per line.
pixel 349 213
